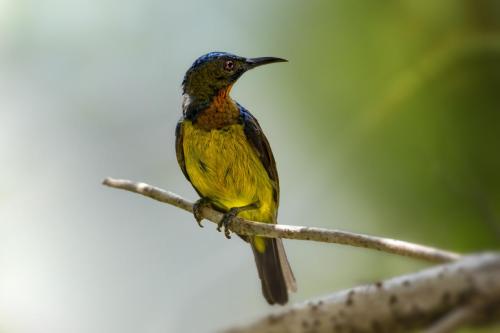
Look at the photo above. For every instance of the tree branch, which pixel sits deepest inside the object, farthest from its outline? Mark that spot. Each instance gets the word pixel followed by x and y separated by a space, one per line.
pixel 245 227
pixel 461 316
pixel 466 292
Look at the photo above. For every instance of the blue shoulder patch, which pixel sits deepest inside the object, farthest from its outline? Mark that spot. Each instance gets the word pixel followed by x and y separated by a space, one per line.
pixel 244 113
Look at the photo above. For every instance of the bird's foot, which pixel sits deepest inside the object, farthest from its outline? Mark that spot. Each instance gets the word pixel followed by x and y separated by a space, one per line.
pixel 198 208
pixel 231 214
pixel 226 221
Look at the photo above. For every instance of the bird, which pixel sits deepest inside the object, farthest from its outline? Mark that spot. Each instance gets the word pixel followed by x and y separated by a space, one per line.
pixel 223 152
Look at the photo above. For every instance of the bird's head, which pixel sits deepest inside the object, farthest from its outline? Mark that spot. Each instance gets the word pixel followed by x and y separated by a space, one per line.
pixel 217 71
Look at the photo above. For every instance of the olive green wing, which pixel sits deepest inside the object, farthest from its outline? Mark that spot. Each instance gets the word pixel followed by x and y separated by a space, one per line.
pixel 179 149
pixel 256 137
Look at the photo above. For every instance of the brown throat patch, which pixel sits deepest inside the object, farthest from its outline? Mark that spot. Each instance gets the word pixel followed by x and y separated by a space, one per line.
pixel 222 112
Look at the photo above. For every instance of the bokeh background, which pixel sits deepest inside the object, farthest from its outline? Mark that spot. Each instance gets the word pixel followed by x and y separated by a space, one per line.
pixel 385 121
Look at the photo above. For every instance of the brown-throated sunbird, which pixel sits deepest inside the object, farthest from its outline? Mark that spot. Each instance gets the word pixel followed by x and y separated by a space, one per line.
pixel 223 152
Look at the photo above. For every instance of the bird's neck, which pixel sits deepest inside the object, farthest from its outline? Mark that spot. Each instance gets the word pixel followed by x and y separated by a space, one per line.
pixel 213 113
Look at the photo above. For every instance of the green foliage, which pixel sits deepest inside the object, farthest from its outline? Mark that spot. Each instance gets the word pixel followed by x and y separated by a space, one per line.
pixel 408 93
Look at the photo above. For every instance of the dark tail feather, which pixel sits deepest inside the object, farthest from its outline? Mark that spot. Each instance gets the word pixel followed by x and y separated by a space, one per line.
pixel 274 271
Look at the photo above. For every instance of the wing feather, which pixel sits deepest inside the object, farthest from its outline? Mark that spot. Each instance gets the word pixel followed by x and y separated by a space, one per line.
pixel 179 149
pixel 256 137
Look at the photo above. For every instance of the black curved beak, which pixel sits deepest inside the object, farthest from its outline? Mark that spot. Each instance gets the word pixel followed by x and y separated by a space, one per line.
pixel 255 62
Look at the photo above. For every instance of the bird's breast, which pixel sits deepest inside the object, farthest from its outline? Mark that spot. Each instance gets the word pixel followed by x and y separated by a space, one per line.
pixel 223 166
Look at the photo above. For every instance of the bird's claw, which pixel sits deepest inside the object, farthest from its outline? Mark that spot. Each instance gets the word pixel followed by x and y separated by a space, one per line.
pixel 197 210
pixel 225 222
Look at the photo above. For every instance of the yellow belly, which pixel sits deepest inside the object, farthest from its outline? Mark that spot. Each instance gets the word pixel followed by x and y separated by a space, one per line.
pixel 224 167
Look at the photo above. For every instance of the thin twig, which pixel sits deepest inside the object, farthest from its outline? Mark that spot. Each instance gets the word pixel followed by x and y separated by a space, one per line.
pixel 245 227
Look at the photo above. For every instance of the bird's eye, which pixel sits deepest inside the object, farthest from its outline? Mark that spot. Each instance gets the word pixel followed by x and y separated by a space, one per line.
pixel 229 65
